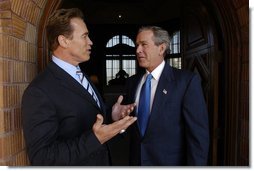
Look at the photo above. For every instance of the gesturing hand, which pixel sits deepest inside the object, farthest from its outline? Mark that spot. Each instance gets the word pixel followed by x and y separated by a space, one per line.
pixel 119 111
pixel 105 132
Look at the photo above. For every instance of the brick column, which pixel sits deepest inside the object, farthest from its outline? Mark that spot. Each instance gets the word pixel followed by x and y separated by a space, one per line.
pixel 19 22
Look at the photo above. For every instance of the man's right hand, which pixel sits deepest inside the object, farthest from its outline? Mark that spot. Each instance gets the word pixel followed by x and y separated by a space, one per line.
pixel 105 132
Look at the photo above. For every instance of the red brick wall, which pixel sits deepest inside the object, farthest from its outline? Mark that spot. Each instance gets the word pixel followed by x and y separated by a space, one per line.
pixel 19 20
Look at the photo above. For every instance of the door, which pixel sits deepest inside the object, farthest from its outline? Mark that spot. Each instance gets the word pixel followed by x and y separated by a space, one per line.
pixel 201 54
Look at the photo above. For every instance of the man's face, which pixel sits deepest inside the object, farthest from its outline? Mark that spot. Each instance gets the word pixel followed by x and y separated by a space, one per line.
pixel 149 55
pixel 79 47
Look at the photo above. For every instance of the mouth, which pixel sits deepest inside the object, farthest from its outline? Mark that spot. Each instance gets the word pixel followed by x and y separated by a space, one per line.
pixel 141 57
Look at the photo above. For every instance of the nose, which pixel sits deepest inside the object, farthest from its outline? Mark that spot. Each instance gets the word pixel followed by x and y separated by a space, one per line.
pixel 90 41
pixel 138 49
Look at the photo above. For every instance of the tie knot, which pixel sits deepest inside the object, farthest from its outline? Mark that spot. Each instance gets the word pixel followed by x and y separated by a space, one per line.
pixel 80 75
pixel 78 72
pixel 149 77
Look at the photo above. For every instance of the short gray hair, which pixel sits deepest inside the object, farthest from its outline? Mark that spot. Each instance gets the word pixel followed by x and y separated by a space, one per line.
pixel 160 36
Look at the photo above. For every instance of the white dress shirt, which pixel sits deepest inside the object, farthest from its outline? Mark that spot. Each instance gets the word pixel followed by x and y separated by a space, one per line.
pixel 156 73
pixel 69 68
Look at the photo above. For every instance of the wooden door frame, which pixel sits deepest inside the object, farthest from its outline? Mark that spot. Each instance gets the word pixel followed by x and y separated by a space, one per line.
pixel 43 52
pixel 227 19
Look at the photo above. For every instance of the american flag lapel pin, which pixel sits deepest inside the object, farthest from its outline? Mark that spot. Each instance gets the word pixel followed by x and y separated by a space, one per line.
pixel 165 91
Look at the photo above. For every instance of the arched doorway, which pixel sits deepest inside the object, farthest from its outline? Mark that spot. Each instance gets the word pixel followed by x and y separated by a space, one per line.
pixel 18 62
pixel 229 83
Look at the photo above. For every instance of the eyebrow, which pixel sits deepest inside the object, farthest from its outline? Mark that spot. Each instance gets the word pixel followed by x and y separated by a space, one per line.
pixel 85 34
pixel 142 41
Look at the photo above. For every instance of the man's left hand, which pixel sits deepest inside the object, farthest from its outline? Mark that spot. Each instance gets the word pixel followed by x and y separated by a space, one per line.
pixel 120 111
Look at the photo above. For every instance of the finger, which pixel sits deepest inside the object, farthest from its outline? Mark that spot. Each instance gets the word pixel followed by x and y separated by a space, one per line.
pixel 125 122
pixel 120 99
pixel 130 121
pixel 131 107
pixel 119 125
pixel 99 120
pixel 127 112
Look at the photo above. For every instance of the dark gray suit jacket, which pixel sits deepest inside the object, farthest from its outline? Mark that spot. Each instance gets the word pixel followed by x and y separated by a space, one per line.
pixel 58 115
pixel 177 132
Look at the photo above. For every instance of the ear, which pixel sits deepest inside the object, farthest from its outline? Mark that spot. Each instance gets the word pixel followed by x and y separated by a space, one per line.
pixel 63 41
pixel 162 48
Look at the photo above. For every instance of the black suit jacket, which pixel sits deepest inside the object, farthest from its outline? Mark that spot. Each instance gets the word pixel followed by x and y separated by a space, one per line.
pixel 58 115
pixel 177 132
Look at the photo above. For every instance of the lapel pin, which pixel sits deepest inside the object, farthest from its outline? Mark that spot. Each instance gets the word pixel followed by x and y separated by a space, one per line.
pixel 165 91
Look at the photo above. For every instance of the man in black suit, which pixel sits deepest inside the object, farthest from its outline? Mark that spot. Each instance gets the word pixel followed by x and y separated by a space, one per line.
pixel 176 131
pixel 63 123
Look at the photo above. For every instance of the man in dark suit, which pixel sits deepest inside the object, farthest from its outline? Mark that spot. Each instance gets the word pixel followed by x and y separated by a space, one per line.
pixel 63 115
pixel 176 132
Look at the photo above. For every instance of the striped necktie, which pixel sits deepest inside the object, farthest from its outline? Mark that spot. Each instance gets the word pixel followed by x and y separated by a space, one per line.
pixel 85 83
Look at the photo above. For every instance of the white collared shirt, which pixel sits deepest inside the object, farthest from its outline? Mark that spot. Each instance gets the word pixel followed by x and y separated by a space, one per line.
pixel 69 68
pixel 156 73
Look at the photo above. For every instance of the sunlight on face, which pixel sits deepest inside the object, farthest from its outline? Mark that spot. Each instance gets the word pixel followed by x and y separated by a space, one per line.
pixel 149 55
pixel 80 44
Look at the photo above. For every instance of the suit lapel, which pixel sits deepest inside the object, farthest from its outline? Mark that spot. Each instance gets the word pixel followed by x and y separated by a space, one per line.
pixel 70 83
pixel 164 88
